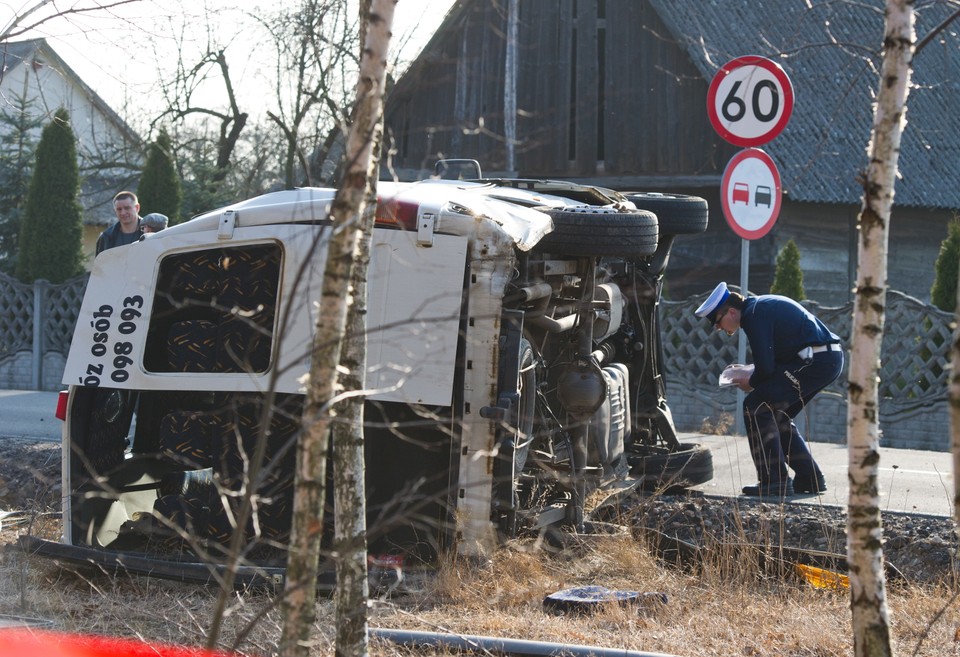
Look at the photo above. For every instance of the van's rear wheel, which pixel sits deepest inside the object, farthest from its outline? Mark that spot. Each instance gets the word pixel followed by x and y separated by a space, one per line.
pixel 600 231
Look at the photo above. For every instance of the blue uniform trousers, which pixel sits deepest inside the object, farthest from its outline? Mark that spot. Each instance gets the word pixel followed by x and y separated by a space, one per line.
pixel 770 408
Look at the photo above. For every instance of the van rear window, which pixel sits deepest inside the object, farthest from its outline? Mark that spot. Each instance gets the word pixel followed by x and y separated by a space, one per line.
pixel 214 311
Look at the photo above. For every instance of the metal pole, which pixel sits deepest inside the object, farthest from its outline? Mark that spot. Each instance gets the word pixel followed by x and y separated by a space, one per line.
pixel 510 86
pixel 739 427
pixel 36 374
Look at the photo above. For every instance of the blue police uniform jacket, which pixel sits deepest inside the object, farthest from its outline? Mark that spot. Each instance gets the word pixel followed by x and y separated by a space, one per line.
pixel 777 328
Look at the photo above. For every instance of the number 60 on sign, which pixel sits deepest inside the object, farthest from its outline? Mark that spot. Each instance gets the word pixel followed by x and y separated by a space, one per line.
pixel 750 100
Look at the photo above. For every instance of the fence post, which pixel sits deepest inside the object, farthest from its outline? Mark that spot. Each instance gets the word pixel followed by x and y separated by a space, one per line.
pixel 39 293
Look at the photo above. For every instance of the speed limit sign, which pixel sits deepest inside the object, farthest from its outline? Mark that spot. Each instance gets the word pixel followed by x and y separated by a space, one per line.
pixel 750 101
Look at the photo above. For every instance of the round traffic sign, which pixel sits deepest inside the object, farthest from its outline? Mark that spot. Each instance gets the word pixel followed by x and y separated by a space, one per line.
pixel 750 193
pixel 750 101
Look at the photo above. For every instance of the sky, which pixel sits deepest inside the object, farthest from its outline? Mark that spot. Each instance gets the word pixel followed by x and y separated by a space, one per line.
pixel 119 54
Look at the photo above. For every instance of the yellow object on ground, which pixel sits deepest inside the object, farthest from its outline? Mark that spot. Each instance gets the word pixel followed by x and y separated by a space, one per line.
pixel 823 579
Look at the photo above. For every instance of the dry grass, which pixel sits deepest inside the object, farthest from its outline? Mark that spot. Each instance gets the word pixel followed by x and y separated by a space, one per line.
pixel 727 605
pixel 717 425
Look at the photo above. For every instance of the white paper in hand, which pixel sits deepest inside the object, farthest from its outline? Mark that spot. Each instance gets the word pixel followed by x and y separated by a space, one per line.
pixel 732 374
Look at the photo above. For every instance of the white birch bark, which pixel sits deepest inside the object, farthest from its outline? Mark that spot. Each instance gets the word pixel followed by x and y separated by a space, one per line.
pixel 350 508
pixel 871 623
pixel 348 207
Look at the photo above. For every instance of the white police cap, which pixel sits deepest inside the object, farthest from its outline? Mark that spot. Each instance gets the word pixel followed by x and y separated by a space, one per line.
pixel 714 301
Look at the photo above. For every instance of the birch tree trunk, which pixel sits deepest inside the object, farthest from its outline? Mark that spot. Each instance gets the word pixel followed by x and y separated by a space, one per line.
pixel 350 504
pixel 955 409
pixel 348 207
pixel 871 625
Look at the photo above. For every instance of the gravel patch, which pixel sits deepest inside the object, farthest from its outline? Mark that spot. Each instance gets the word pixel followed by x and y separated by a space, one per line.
pixel 917 548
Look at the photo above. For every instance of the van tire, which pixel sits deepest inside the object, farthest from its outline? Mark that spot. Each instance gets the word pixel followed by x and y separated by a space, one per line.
pixel 677 214
pixel 509 475
pixel 527 385
pixel 599 231
pixel 690 465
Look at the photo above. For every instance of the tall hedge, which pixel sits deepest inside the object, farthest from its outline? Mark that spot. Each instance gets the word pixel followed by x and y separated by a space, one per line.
pixel 943 294
pixel 18 123
pixel 52 226
pixel 788 277
pixel 159 189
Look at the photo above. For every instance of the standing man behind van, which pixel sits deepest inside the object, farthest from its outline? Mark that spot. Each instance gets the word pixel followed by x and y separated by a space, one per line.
pixel 127 229
pixel 153 222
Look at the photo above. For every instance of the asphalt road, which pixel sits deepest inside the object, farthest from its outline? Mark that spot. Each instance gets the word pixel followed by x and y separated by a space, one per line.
pixel 29 415
pixel 911 481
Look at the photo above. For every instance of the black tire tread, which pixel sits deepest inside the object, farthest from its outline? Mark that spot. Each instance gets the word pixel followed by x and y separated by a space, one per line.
pixel 585 233
pixel 688 466
pixel 678 214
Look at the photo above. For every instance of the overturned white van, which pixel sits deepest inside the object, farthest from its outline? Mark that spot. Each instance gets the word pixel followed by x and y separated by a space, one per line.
pixel 514 366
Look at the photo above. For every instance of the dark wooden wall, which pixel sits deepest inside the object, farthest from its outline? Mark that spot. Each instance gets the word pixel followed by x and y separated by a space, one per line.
pixel 827 238
pixel 605 96
pixel 601 90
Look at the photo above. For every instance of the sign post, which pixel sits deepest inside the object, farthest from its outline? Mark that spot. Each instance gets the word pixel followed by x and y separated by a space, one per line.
pixel 749 102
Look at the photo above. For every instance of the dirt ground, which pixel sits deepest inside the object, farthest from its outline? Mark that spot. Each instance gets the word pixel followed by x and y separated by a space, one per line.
pixel 503 596
pixel 921 549
pixel 29 476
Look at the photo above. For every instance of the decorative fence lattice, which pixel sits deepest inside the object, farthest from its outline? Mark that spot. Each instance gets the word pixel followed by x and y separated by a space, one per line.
pixel 914 370
pixel 60 309
pixel 37 319
pixel 16 316
pixel 915 353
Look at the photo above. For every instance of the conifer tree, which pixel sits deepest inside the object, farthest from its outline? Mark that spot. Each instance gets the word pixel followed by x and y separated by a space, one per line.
pixel 159 189
pixel 17 153
pixel 52 227
pixel 943 294
pixel 788 277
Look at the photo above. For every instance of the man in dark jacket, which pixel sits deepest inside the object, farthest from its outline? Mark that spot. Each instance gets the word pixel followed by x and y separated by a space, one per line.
pixel 795 356
pixel 127 229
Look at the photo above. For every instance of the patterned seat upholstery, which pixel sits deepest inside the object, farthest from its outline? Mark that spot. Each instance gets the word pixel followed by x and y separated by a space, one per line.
pixel 192 346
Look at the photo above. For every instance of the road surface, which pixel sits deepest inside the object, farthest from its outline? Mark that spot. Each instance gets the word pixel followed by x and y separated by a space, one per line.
pixel 911 481
pixel 29 415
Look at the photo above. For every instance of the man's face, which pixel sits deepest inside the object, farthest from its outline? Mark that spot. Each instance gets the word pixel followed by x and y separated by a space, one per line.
pixel 728 320
pixel 127 212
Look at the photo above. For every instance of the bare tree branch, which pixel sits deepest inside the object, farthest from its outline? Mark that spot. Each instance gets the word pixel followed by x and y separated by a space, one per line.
pixel 17 26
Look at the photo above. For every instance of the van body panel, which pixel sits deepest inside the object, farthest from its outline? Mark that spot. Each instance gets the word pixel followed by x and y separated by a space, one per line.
pixel 413 314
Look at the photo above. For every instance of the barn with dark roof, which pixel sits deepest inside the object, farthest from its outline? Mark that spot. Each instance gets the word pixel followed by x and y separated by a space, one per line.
pixel 614 92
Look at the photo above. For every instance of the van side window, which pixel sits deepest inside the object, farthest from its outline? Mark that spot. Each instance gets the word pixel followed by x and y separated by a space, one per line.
pixel 214 311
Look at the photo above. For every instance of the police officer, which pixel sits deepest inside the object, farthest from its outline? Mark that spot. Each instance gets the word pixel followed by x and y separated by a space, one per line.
pixel 795 356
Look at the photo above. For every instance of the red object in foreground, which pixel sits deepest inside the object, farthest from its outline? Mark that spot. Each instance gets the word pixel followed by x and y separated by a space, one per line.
pixel 24 642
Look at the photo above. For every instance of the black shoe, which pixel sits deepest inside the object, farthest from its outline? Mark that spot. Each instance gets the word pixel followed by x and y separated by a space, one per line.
pixel 773 489
pixel 817 485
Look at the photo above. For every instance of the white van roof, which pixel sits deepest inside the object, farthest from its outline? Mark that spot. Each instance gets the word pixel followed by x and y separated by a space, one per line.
pixel 460 203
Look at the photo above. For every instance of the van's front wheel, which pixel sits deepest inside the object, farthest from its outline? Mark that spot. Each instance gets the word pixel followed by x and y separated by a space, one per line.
pixel 600 231
pixel 518 435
